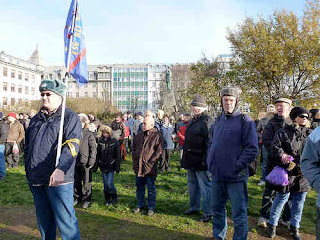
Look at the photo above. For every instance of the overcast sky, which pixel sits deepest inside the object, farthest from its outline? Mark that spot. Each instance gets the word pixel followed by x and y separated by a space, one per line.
pixel 131 31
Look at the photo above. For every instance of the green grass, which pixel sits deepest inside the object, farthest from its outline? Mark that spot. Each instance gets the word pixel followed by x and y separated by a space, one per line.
pixel 101 222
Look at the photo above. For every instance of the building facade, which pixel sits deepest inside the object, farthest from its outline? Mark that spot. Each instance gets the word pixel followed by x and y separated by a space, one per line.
pixel 20 79
pixel 130 87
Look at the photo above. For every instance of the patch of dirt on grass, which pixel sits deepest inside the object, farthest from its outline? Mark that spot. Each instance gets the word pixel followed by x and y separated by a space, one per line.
pixel 18 223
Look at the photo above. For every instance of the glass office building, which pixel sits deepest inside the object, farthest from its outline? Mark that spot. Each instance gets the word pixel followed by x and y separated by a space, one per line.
pixel 130 87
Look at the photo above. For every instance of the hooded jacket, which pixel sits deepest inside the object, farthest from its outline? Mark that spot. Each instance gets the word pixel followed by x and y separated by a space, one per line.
pixel 108 155
pixel 42 142
pixel 233 146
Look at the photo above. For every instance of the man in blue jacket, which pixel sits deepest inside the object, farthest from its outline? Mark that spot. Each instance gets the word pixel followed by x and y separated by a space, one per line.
pixel 233 146
pixel 51 185
pixel 310 167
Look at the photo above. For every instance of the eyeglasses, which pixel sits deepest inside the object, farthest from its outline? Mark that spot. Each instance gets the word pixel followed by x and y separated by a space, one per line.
pixel 303 116
pixel 47 94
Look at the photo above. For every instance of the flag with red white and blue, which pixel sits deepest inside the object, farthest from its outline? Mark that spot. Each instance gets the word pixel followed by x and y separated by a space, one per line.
pixel 74 45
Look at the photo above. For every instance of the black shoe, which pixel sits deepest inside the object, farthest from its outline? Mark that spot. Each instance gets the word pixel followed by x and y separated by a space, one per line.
pixel 113 199
pixel 205 219
pixel 272 231
pixel 295 233
pixel 190 212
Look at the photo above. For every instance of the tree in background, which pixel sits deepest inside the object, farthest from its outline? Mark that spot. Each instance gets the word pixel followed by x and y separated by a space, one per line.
pixel 208 78
pixel 278 56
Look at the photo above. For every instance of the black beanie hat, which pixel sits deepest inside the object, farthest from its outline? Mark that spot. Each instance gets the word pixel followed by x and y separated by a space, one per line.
pixel 199 102
pixel 297 111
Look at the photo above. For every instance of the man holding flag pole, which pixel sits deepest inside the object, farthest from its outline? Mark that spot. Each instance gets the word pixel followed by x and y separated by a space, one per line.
pixel 52 142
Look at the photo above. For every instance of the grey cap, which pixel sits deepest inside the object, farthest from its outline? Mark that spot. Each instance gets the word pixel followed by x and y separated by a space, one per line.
pixel 285 100
pixel 199 102
pixel 230 91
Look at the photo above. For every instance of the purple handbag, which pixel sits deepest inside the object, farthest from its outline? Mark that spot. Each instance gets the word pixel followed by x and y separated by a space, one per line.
pixel 278 176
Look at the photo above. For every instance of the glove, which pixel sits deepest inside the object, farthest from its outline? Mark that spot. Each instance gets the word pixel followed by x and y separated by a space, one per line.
pixel 292 165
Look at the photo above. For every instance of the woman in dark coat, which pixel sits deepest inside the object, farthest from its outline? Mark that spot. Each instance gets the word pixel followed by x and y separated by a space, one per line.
pixel 84 163
pixel 287 142
pixel 108 158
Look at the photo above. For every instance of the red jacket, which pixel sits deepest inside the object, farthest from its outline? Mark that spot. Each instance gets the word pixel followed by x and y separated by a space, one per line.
pixel 181 134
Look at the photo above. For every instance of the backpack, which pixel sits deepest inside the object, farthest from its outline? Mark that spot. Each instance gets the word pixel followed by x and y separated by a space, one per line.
pixel 254 164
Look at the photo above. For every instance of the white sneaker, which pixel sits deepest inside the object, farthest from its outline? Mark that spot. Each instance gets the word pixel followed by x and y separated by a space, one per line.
pixel 261 183
pixel 262 222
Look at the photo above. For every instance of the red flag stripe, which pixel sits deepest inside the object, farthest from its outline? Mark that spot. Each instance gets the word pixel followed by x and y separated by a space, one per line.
pixel 77 60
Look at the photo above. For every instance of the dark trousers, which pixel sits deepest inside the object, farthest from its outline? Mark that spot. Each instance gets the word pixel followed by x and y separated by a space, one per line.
pixel 82 184
pixel 267 200
pixel 164 164
pixel 11 158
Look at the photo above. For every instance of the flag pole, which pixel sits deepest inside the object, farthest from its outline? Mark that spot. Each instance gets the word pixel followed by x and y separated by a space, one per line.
pixel 64 100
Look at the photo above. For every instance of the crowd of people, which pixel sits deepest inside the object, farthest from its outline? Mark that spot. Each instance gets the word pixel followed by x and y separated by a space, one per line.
pixel 216 154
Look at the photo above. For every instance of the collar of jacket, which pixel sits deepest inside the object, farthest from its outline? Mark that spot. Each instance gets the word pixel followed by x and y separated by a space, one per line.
pixel 45 115
pixel 148 132
pixel 236 112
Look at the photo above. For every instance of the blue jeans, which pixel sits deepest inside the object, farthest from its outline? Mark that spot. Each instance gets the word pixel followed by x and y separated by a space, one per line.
pixel 237 193
pixel 140 184
pixel 264 158
pixel 54 207
pixel 298 199
pixel 108 183
pixel 2 162
pixel 199 185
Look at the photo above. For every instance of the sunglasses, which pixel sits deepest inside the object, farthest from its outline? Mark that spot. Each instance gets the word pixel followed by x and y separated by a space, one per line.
pixel 47 94
pixel 303 116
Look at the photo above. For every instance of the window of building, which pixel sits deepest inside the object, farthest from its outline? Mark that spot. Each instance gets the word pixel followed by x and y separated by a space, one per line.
pixel 94 85
pixel 13 88
pixel 26 77
pixel 5 86
pixel 85 94
pixel 153 94
pixel 13 101
pixel 70 94
pixel 77 94
pixel 20 75
pixel 20 102
pixel 5 72
pixel 94 94
pixel 26 90
pixel 13 73
pixel 32 91
pixel 33 78
pixel 5 101
pixel 19 89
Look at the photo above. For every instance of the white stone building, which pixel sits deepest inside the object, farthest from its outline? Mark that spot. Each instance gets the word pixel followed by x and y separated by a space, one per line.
pixel 20 79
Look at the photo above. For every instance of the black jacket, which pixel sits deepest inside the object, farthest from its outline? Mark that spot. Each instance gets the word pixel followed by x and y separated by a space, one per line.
pixel 270 130
pixel 108 154
pixel 3 132
pixel 196 143
pixel 88 149
pixel 290 140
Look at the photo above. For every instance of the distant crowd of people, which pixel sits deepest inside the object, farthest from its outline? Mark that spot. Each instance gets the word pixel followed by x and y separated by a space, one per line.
pixel 217 154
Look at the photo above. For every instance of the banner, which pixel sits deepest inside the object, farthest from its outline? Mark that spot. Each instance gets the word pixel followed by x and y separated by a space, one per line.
pixel 74 45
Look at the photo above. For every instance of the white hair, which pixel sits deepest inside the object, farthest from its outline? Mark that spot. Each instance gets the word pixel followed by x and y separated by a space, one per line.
pixel 201 109
pixel 83 118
